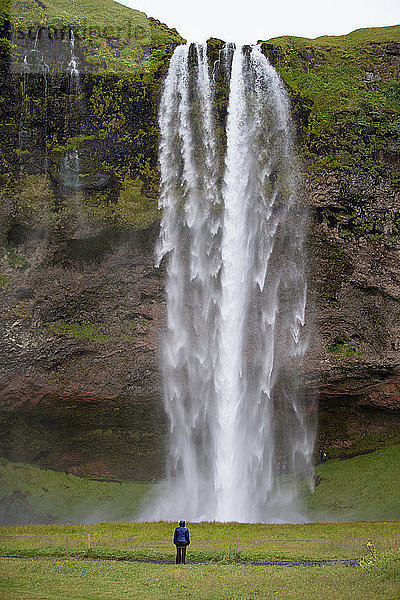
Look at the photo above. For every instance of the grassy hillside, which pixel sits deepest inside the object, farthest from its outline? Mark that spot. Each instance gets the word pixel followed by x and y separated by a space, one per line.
pixel 29 494
pixel 116 38
pixel 354 38
pixel 364 487
pixel 351 95
pixel 360 488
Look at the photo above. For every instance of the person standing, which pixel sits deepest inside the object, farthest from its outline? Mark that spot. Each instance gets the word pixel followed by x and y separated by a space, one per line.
pixel 181 541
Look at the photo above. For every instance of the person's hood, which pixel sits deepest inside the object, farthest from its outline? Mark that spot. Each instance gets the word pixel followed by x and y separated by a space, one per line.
pixel 181 523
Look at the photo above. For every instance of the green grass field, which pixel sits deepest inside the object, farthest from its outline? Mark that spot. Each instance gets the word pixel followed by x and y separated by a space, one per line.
pixel 218 542
pixel 362 485
pixel 77 580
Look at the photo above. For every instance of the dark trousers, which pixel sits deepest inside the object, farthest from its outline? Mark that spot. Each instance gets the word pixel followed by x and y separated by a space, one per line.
pixel 180 554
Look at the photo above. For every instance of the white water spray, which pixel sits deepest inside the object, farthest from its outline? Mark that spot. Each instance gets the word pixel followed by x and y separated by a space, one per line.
pixel 234 232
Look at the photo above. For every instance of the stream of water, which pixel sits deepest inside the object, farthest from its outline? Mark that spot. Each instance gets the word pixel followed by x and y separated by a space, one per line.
pixel 233 238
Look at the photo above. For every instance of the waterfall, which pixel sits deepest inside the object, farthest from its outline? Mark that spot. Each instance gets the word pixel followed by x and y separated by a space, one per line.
pixel 35 74
pixel 73 69
pixel 69 170
pixel 70 166
pixel 233 237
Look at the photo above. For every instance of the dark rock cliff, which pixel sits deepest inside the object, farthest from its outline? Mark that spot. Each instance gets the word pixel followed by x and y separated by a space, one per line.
pixel 81 304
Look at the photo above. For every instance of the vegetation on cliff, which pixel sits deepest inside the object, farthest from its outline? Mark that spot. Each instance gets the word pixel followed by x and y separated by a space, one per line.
pixel 358 488
pixel 114 38
pixel 32 495
pixel 346 99
pixel 340 73
pixel 79 114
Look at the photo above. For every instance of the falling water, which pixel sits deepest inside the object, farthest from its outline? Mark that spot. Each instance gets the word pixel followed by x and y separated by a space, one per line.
pixel 35 73
pixel 73 69
pixel 69 170
pixel 70 166
pixel 233 233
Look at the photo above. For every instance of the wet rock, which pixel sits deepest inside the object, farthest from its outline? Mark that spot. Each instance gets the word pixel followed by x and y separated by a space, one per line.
pixel 393 48
pixel 67 398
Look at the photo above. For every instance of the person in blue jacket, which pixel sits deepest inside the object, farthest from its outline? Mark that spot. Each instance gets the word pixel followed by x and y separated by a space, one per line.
pixel 181 541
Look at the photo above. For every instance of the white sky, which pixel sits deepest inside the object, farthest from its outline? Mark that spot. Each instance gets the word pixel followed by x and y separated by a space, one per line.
pixel 250 20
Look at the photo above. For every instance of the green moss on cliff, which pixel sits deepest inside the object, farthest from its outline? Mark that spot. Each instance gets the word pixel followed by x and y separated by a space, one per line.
pixel 346 89
pixel 133 208
pixel 116 38
pixel 33 200
pixel 84 155
pixel 344 348
pixel 93 333
pixel 4 280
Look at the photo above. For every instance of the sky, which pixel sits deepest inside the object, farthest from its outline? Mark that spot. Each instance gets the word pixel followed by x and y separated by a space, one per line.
pixel 247 21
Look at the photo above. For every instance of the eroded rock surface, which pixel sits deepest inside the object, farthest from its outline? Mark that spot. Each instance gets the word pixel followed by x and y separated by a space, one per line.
pixel 80 384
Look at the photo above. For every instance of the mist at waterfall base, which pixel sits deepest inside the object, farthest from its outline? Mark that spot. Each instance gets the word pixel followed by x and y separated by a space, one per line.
pixel 233 238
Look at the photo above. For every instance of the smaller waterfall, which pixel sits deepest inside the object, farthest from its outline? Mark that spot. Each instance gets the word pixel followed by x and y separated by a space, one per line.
pixel 224 62
pixel 69 172
pixel 70 167
pixel 72 69
pixel 35 82
pixel 73 112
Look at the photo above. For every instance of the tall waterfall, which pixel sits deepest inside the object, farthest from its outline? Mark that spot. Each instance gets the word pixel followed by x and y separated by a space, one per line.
pixel 232 233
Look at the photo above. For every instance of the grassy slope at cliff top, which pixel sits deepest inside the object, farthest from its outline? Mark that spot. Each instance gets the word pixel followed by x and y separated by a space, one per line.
pixel 359 117
pixel 96 22
pixel 91 13
pixel 355 38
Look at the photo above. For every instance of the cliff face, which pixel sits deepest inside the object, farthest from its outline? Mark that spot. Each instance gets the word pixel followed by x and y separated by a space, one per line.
pixel 82 306
pixel 345 94
pixel 80 385
pixel 81 303
pixel 354 307
pixel 346 104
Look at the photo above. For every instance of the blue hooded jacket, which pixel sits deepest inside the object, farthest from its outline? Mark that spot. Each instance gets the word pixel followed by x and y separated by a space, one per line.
pixel 181 535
